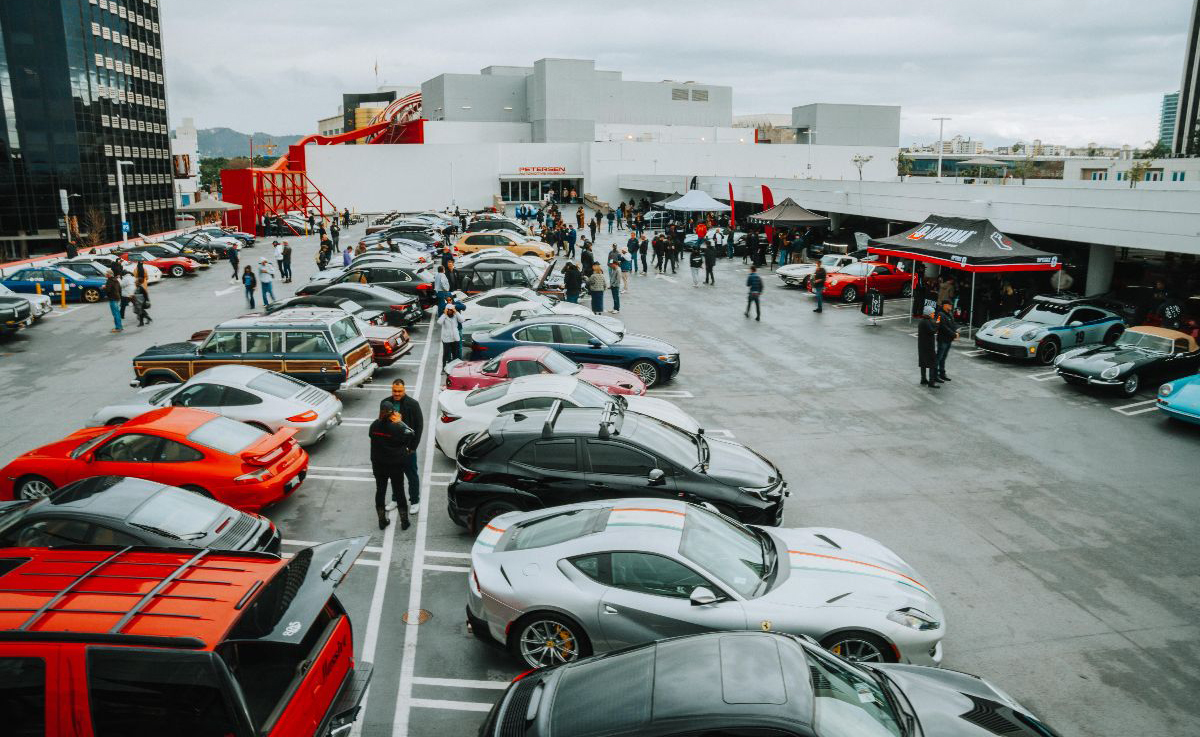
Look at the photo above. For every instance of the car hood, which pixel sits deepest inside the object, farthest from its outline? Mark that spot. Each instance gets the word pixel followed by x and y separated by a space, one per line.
pixel 735 464
pixel 1016 326
pixel 633 341
pixel 830 566
pixel 168 348
pixel 1101 357
pixel 661 409
pixel 1186 394
pixel 953 704
pixel 796 269
pixel 612 377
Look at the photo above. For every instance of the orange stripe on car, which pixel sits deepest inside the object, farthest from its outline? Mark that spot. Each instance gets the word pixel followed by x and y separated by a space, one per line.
pixel 495 529
pixel 861 563
pixel 645 509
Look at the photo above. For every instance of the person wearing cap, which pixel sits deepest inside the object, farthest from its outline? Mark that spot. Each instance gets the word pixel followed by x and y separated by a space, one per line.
pixel 947 332
pixel 266 278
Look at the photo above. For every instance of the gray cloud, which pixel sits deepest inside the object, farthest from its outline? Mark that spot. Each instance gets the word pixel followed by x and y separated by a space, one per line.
pixel 1065 71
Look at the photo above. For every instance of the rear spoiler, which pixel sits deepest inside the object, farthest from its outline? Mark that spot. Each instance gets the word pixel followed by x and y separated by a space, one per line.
pixel 263 450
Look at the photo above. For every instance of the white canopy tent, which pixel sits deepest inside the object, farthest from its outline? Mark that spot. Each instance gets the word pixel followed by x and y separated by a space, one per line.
pixel 696 201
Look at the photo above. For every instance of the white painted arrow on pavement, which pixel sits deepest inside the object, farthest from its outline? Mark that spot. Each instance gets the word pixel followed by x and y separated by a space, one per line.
pixel 664 276
pixel 227 290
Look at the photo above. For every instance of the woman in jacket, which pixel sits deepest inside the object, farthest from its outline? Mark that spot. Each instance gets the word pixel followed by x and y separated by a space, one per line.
pixel 573 282
pixel 249 281
pixel 112 290
pixel 927 350
pixel 391 446
pixel 141 296
pixel 596 286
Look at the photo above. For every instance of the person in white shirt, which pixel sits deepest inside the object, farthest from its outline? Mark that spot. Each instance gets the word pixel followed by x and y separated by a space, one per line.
pixel 441 288
pixel 128 289
pixel 278 256
pixel 266 278
pixel 451 324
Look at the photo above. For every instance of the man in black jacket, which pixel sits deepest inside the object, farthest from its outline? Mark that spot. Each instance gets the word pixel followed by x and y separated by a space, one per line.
pixel 391 445
pixel 927 351
pixel 410 410
pixel 947 331
pixel 710 260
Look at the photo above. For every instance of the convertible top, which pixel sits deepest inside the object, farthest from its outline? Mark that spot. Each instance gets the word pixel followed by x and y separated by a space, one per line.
pixel 1172 335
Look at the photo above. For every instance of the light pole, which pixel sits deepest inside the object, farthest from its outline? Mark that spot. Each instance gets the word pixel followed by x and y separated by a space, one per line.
pixel 941 130
pixel 121 197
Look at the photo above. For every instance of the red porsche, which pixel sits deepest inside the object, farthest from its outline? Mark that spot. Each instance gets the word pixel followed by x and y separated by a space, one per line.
pixel 852 282
pixel 525 361
pixel 227 460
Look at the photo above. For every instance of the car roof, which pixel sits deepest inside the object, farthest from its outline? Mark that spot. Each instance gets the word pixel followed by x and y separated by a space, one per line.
pixel 232 373
pixel 525 352
pixel 553 317
pixel 292 317
pixel 544 384
pixel 704 683
pixel 115 497
pixel 571 422
pixel 69 594
pixel 170 420
pixel 1167 333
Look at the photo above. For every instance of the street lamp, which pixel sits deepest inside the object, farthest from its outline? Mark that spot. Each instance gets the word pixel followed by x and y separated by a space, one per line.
pixel 121 196
pixel 941 129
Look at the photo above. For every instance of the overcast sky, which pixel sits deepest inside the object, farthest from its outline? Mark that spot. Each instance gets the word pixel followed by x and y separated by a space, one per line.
pixel 1064 71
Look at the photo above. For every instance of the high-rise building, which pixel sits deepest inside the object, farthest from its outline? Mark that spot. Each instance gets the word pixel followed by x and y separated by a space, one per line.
pixel 81 89
pixel 1166 118
pixel 1187 122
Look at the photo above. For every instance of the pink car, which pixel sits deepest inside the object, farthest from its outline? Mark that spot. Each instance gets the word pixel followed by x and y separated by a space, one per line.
pixel 525 361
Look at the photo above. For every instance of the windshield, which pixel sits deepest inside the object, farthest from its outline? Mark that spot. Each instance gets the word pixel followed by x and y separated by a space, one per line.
pixel 485 394
pixel 730 552
pixel 1045 313
pixel 669 441
pixel 848 703
pixel 89 444
pixel 1144 341
pixel 603 333
pixel 160 397
pixel 559 364
pixel 345 331
pixel 183 514
pixel 225 435
pixel 857 269
pixel 830 260
pixel 587 395
pixel 351 306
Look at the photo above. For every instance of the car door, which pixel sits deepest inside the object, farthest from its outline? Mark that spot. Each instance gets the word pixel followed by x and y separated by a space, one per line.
pixel 25 281
pixel 887 280
pixel 537 334
pixel 550 469
pixel 127 454
pixel 647 597
pixel 200 396
pixel 1181 362
pixel 178 464
pixel 580 345
pixel 1091 326
pixel 220 348
pixel 309 356
pixel 616 469
pixel 264 349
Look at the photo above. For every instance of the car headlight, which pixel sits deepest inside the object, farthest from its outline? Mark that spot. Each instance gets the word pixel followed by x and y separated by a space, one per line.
pixel 914 618
pixel 760 493
pixel 1031 334
pixel 1166 389
pixel 1113 371
pixel 1060 358
pixel 669 359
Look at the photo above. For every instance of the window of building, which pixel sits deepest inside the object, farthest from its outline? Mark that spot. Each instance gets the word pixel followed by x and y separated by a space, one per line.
pixel 678 94
pixel 699 95
pixel 95 29
pixel 1120 176
pixel 1154 175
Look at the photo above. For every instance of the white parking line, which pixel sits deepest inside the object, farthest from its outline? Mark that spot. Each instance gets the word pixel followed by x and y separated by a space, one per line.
pixel 670 393
pixel 451 569
pixel 309 544
pixel 890 317
pixel 67 311
pixel 445 554
pixel 460 683
pixel 1044 376
pixel 976 352
pixel 323 477
pixel 1133 409
pixel 438 704
pixel 345 469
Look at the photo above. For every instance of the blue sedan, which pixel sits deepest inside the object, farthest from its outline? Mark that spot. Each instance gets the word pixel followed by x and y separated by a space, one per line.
pixel 51 280
pixel 586 341
pixel 1180 399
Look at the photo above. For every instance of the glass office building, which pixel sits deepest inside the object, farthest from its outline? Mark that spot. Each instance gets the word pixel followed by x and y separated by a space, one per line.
pixel 81 89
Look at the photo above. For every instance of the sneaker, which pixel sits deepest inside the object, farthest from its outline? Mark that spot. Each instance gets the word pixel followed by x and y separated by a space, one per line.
pixel 391 506
pixel 414 508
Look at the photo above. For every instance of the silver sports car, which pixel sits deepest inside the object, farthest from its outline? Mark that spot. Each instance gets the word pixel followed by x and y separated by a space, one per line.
pixel 256 396
pixel 559 584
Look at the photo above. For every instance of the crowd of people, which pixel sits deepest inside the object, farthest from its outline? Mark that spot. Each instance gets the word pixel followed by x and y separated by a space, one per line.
pixel 123 288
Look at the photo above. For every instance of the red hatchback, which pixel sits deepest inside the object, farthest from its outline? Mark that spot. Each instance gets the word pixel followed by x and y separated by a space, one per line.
pixel 853 281
pixel 526 361
pixel 230 461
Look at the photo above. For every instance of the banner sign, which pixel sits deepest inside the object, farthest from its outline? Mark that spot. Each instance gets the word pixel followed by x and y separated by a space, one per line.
pixel 541 170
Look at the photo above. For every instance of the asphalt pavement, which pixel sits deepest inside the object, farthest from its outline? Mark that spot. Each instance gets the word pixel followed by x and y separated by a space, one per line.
pixel 1056 526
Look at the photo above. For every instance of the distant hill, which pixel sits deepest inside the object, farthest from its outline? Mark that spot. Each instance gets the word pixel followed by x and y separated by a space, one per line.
pixel 228 142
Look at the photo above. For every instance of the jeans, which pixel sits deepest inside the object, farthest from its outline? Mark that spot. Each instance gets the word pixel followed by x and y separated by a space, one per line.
pixel 616 293
pixel 820 294
pixel 708 274
pixel 409 466
pixel 573 297
pixel 731 248
pixel 286 269
pixel 752 299
pixel 645 261
pixel 696 276
pixel 597 302
pixel 784 255
pixel 451 350
pixel 610 226
pixel 115 307
pixel 250 296
pixel 943 350
pixel 268 290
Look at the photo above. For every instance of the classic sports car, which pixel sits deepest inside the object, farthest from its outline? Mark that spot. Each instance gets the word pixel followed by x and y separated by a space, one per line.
pixel 1179 399
pixel 1141 354
pixel 852 281
pixel 1048 326
pixel 582 339
pixel 505 304
pixel 176 266
pixel 609 574
pixel 797 275
pixel 529 360
pixel 462 414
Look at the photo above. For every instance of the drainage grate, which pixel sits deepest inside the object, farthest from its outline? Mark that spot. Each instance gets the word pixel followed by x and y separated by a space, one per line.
pixel 422 616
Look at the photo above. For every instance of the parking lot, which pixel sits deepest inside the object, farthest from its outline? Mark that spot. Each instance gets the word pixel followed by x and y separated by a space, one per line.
pixel 1056 526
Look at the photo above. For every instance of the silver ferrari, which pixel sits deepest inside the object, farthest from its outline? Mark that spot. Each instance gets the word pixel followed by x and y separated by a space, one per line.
pixel 556 585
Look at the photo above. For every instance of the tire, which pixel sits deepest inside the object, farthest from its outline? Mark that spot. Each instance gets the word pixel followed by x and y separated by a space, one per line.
pixel 1130 386
pixel 489 511
pixel 91 294
pixel 177 271
pixel 646 371
pixel 1047 351
pixel 530 631
pixel 859 647
pixel 849 294
pixel 32 487
pixel 116 421
pixel 805 282
pixel 198 490
pixel 1113 333
pixel 907 291
pixel 159 380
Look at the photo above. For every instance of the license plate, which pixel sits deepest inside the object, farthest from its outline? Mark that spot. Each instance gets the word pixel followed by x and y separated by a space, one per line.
pixel 27 321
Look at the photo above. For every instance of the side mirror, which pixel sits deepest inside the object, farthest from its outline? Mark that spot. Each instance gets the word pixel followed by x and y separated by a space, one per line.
pixel 88 457
pixel 594 343
pixel 1016 312
pixel 701 596
pixel 1074 324
pixel 656 477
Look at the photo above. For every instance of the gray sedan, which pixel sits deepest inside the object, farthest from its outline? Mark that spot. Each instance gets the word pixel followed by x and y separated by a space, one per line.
pixel 555 585
pixel 265 399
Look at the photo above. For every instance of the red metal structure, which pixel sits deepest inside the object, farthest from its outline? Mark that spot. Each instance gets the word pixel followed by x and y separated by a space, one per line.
pixel 285 187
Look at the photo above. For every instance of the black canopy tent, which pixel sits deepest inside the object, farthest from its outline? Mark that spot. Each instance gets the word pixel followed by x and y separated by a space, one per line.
pixel 966 244
pixel 788 213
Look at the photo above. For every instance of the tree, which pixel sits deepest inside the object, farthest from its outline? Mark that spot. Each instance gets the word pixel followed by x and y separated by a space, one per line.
pixel 1137 171
pixel 210 172
pixel 1025 166
pixel 1157 151
pixel 94 224
pixel 904 165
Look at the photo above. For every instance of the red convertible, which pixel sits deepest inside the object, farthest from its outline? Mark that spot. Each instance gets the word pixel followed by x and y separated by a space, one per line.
pixel 176 266
pixel 525 361
pixel 852 282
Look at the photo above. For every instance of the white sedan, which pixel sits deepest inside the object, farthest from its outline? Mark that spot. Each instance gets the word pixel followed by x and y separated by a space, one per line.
pixel 39 304
pixel 98 269
pixel 462 414
pixel 501 306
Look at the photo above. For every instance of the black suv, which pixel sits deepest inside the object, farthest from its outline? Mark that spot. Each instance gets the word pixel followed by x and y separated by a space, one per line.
pixel 529 460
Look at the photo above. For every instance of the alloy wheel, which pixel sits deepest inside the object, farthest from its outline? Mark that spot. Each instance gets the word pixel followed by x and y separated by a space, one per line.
pixel 857 651
pixel 1130 386
pixel 548 642
pixel 645 371
pixel 91 295
pixel 36 488
pixel 850 294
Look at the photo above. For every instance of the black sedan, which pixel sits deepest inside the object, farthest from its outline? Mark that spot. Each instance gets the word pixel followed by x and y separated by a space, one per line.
pixel 529 460
pixel 366 314
pixel 116 510
pixel 1142 355
pixel 411 280
pixel 401 310
pixel 173 249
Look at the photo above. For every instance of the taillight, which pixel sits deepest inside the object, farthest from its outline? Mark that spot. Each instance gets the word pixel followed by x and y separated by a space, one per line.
pixel 401 308
pixel 307 416
pixel 465 475
pixel 424 285
pixel 255 476
pixel 447 417
pixel 522 675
